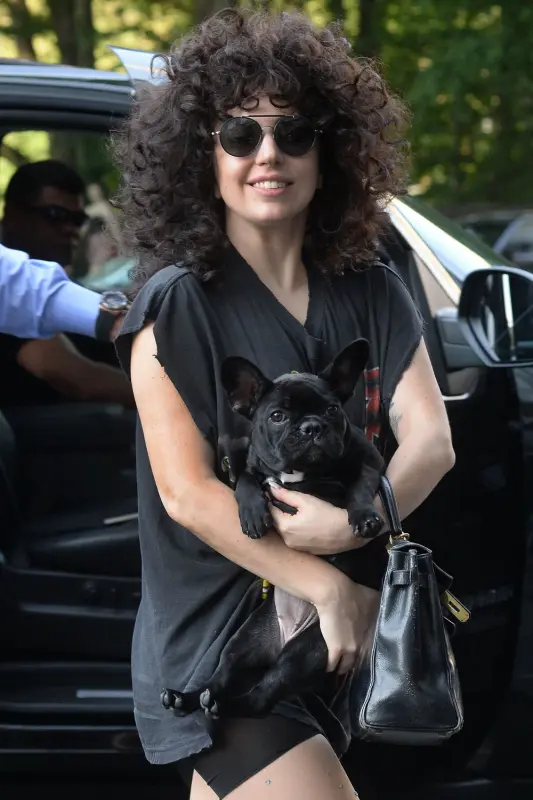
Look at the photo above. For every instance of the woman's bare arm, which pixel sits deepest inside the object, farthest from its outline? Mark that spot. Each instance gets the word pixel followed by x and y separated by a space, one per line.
pixel 182 463
pixel 420 424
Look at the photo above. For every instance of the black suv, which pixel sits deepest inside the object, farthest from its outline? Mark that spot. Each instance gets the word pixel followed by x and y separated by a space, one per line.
pixel 69 556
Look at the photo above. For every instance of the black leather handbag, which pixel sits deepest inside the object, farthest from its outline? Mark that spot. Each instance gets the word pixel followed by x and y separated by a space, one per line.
pixel 408 691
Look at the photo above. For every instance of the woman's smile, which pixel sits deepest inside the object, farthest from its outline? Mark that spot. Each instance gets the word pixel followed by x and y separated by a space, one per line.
pixel 270 187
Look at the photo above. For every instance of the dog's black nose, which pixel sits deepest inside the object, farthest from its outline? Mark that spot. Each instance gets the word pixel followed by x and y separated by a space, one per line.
pixel 311 427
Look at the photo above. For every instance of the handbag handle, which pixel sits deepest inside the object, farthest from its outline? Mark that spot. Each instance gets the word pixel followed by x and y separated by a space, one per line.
pixel 444 581
pixel 390 507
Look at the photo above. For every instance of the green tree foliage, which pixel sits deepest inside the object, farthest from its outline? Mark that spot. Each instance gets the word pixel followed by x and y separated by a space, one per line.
pixel 465 67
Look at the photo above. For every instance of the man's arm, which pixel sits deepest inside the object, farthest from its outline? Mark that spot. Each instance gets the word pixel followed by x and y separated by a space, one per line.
pixel 57 362
pixel 37 299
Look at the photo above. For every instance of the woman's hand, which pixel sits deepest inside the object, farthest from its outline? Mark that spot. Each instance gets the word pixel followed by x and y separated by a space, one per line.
pixel 317 527
pixel 347 621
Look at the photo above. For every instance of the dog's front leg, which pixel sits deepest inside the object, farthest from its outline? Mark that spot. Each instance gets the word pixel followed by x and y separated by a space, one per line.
pixel 253 506
pixel 362 514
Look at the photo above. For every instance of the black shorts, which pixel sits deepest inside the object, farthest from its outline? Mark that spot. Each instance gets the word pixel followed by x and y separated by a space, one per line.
pixel 243 748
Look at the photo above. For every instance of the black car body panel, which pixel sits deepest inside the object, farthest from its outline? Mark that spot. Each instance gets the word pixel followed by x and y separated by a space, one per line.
pixel 69 584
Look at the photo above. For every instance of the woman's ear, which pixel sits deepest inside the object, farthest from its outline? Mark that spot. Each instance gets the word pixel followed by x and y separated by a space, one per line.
pixel 217 191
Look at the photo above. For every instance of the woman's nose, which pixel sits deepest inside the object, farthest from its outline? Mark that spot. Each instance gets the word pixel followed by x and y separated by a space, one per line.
pixel 268 151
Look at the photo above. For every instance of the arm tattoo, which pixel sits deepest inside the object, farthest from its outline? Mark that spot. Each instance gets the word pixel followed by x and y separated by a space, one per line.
pixel 394 420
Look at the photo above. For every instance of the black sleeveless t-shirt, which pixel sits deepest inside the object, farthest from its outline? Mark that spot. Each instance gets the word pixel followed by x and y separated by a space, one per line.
pixel 193 599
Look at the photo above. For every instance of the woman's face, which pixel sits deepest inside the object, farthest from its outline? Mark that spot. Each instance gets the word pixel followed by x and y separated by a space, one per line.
pixel 267 187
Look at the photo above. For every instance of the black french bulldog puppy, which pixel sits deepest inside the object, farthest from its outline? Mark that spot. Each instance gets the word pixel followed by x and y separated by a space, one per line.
pixel 301 436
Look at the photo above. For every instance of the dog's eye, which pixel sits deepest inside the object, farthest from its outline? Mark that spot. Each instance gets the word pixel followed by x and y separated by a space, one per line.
pixel 278 416
pixel 332 410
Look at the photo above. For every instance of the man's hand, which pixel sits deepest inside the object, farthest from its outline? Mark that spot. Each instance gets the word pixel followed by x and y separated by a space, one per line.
pixel 317 527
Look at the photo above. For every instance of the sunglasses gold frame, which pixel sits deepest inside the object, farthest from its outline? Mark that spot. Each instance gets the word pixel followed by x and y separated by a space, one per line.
pixel 281 117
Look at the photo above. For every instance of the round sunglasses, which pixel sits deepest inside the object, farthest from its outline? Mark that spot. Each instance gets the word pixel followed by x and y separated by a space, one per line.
pixel 60 215
pixel 293 134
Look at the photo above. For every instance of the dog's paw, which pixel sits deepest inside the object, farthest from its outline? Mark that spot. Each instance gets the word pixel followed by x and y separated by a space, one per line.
pixel 179 703
pixel 209 704
pixel 255 517
pixel 366 522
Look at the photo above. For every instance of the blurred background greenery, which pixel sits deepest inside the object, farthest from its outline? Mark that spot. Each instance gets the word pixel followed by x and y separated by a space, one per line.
pixel 465 67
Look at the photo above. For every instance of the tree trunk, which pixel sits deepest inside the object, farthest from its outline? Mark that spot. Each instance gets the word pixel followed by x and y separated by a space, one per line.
pixel 85 33
pixel 73 25
pixel 22 28
pixel 63 23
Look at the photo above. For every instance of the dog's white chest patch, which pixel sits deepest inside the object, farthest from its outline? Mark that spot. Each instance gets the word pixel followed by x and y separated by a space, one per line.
pixel 286 477
pixel 291 477
pixel 294 615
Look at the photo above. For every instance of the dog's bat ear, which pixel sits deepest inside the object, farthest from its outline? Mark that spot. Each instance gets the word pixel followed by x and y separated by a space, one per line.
pixel 346 369
pixel 244 384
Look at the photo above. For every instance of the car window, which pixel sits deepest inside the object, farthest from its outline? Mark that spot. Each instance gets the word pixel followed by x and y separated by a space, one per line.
pixel 487 230
pixel 517 243
pixel 96 257
pixel 457 250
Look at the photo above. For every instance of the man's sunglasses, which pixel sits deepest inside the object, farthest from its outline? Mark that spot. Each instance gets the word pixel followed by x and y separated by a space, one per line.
pixel 61 215
pixel 294 135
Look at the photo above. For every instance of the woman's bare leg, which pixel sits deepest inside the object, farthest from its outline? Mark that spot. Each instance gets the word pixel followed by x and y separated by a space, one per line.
pixel 310 770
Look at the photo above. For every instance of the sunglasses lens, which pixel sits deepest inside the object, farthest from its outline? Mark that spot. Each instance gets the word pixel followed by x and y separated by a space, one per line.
pixel 55 213
pixel 240 136
pixel 295 136
pixel 65 216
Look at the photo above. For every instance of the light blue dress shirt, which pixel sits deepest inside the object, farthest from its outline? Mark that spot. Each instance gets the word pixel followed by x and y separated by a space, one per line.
pixel 38 299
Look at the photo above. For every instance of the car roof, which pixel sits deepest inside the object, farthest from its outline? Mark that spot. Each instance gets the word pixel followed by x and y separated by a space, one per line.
pixel 16 69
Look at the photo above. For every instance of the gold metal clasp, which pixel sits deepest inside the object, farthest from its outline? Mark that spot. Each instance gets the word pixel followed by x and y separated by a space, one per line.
pixel 401 537
pixel 454 606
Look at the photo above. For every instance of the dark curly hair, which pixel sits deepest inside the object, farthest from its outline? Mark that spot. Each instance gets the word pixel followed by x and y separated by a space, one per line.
pixel 165 150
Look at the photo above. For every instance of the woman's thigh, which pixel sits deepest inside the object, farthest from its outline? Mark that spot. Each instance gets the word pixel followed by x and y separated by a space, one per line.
pixel 310 770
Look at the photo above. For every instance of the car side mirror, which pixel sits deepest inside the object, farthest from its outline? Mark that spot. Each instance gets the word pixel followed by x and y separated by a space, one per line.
pixel 496 316
pixel 140 65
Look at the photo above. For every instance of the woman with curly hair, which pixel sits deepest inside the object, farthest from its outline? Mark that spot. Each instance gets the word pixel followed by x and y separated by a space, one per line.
pixel 255 181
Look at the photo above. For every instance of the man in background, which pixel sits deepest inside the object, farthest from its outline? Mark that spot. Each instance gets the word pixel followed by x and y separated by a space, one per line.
pixel 44 212
pixel 43 216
